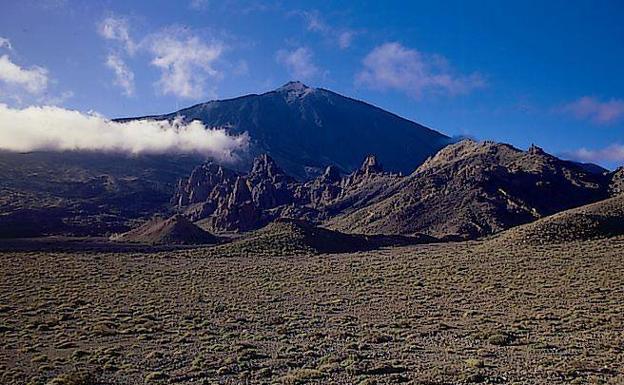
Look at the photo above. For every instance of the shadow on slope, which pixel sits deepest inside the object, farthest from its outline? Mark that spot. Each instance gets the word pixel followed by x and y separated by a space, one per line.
pixel 296 237
pixel 602 219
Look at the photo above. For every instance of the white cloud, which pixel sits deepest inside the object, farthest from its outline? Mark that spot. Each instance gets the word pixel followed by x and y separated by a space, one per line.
pixel 315 23
pixel 54 128
pixel 5 43
pixel 612 153
pixel 199 5
pixel 392 66
pixel 345 38
pixel 124 77
pixel 298 63
pixel 186 62
pixel 34 80
pixel 594 110
pixel 116 29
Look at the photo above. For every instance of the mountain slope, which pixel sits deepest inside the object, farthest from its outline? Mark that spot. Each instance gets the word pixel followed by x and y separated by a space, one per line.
pixel 288 237
pixel 305 129
pixel 597 220
pixel 470 189
pixel 616 186
pixel 84 193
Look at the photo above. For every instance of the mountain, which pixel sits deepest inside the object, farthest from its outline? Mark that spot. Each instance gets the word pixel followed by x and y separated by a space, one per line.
pixel 175 230
pixel 306 129
pixel 471 189
pixel 597 220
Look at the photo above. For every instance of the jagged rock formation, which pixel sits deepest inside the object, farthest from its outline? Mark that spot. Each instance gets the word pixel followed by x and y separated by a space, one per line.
pixel 471 189
pixel 223 200
pixel 597 220
pixel 175 230
pixel 306 129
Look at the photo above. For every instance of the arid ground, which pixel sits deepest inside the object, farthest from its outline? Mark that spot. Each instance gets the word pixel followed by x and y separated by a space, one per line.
pixel 470 312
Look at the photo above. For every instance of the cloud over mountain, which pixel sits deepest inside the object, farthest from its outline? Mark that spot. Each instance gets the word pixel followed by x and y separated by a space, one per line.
pixel 186 62
pixel 124 77
pixel 594 110
pixel 54 128
pixel 393 66
pixel 612 153
pixel 298 62
pixel 33 80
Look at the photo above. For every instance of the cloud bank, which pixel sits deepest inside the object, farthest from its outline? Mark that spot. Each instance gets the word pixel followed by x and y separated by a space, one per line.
pixel 58 129
pixel 594 110
pixel 393 66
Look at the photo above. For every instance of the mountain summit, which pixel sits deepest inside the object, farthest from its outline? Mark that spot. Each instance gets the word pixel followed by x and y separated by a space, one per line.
pixel 306 129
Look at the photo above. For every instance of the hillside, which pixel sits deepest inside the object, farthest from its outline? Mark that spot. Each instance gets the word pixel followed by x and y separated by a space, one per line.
pixel 597 220
pixel 288 237
pixel 84 193
pixel 471 189
pixel 160 231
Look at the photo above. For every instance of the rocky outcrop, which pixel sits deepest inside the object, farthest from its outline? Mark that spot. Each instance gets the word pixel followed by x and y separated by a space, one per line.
pixel 470 189
pixel 226 201
pixel 616 187
pixel 467 190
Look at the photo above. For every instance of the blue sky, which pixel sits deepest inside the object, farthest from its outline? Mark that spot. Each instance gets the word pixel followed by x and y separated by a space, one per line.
pixel 539 72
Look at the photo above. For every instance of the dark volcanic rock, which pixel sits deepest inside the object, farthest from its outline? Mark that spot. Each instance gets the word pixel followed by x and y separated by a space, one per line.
pixel 234 202
pixel 84 193
pixel 209 181
pixel 467 190
pixel 306 128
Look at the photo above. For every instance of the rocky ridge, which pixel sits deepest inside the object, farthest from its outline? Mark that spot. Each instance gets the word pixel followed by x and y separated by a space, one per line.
pixel 471 189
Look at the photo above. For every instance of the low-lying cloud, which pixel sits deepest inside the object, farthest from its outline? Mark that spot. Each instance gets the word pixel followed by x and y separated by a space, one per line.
pixel 58 129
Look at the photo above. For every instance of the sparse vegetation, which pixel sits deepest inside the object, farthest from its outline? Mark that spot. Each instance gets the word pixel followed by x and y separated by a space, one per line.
pixel 469 312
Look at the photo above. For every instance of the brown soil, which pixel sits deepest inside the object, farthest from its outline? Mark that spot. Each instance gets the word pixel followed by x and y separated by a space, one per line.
pixel 424 314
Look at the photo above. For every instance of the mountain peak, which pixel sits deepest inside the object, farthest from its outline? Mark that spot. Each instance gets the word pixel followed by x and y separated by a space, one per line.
pixel 295 90
pixel 294 85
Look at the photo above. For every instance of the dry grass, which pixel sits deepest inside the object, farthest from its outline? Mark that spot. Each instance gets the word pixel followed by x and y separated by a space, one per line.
pixel 427 314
